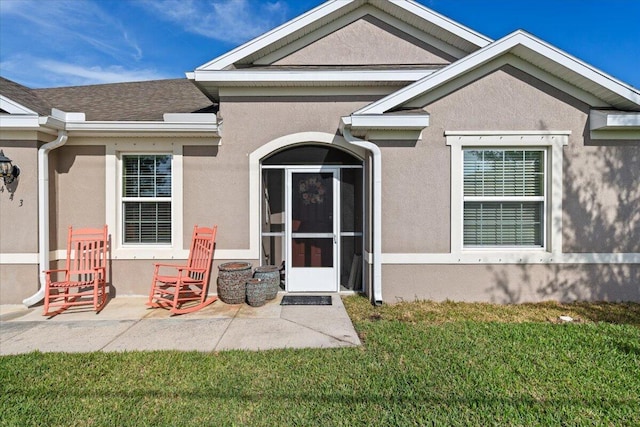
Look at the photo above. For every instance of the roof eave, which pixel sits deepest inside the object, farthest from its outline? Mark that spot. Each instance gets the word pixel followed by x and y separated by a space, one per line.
pixel 526 47
pixel 337 8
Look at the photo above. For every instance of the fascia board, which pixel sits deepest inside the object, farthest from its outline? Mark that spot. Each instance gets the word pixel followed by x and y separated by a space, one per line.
pixel 518 39
pixel 325 10
pixel 12 107
pixel 441 76
pixel 242 76
pixel 405 122
pixel 274 35
pixel 604 120
pixel 536 45
pixel 142 127
pixel 353 16
pixel 16 122
pixel 443 22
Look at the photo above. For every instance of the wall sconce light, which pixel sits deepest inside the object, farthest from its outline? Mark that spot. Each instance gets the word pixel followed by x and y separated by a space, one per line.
pixel 8 171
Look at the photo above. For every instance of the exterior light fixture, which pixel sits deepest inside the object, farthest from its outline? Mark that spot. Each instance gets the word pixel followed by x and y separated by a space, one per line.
pixel 8 171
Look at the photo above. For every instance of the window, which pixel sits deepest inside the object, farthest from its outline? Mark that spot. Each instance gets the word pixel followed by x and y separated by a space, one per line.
pixel 506 193
pixel 146 198
pixel 504 197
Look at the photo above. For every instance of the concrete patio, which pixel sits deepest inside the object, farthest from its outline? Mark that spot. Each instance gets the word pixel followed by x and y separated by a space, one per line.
pixel 126 324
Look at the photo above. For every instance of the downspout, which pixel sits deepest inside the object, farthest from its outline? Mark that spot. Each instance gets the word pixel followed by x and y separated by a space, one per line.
pixel 43 213
pixel 376 287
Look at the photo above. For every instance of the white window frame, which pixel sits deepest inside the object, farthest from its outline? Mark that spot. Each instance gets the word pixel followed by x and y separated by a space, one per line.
pixel 126 199
pixel 551 141
pixel 506 199
pixel 114 200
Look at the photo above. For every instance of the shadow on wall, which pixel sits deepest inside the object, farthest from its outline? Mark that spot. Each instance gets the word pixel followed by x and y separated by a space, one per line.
pixel 601 214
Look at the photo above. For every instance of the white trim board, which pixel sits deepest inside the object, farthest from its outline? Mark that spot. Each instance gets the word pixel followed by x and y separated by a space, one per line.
pixel 18 122
pixel 12 107
pixel 318 77
pixel 554 141
pixel 19 258
pixel 113 205
pixel 350 18
pixel 531 50
pixel 533 257
pixel 162 254
pixel 330 11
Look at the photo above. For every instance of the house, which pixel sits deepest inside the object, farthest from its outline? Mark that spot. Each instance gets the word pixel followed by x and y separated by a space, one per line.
pixel 371 146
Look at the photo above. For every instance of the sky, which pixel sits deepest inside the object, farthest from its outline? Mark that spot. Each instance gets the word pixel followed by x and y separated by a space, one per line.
pixel 53 43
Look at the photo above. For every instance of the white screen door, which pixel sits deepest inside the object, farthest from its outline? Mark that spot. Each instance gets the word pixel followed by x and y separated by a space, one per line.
pixel 312 240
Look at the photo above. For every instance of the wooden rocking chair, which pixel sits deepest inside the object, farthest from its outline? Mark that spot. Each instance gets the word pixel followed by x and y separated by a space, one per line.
pixel 83 280
pixel 188 283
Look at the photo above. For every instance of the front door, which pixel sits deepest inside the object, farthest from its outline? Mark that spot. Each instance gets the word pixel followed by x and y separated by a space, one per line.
pixel 312 227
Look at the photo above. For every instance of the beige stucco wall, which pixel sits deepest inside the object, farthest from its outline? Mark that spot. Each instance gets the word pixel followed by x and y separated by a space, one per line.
pixel 19 220
pixel 367 41
pixel 133 277
pixel 248 124
pixel 601 203
pixel 511 283
pixel 78 190
pixel 602 181
pixel 19 200
pixel 17 282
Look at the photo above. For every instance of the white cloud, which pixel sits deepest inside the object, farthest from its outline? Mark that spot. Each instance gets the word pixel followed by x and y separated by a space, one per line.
pixel 74 23
pixel 38 72
pixel 98 74
pixel 232 21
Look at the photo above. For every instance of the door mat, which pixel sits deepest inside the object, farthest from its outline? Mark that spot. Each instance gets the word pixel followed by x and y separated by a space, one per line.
pixel 306 300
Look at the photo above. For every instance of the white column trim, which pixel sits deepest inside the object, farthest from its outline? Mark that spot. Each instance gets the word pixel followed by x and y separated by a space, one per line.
pixel 19 258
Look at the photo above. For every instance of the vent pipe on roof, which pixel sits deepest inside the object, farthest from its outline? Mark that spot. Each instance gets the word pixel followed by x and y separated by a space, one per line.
pixel 376 283
pixel 43 213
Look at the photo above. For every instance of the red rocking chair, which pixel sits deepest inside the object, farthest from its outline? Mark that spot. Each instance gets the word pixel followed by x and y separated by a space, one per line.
pixel 83 280
pixel 188 283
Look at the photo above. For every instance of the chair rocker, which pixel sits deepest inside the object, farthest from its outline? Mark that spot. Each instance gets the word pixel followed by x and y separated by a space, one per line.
pixel 184 289
pixel 83 280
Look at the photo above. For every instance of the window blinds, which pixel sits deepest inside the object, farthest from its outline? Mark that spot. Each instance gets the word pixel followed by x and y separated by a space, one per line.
pixel 146 203
pixel 503 198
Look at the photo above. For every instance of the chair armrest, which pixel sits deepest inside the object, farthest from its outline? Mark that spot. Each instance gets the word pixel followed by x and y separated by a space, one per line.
pixel 159 264
pixel 54 271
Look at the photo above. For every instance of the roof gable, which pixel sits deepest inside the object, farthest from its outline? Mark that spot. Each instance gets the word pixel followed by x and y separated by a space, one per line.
pixel 407 15
pixel 367 41
pixel 521 50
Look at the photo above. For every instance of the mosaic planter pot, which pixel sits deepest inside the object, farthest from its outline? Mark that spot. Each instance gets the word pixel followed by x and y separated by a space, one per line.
pixel 232 279
pixel 256 292
pixel 271 275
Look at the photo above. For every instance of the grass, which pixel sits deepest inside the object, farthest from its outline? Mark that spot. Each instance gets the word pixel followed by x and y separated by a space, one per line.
pixel 422 363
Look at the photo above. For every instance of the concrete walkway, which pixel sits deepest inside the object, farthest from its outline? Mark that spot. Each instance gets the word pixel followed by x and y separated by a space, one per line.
pixel 126 324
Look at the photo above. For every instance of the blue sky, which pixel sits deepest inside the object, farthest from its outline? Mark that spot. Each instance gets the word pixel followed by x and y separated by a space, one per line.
pixel 77 42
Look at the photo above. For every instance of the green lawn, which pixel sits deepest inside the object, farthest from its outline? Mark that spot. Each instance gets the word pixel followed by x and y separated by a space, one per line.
pixel 422 363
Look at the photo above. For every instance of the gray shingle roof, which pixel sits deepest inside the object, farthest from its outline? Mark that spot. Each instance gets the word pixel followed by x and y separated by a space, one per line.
pixel 24 96
pixel 135 101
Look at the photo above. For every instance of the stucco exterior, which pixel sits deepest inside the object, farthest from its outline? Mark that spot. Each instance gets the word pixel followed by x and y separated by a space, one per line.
pixel 19 200
pixel 418 83
pixel 355 40
pixel 511 284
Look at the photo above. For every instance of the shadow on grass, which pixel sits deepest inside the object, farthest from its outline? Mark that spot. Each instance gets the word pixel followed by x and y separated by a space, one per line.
pixel 424 311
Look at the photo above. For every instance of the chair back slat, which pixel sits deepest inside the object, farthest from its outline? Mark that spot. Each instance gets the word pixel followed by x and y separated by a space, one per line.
pixel 86 251
pixel 201 251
